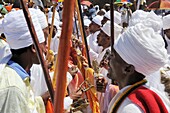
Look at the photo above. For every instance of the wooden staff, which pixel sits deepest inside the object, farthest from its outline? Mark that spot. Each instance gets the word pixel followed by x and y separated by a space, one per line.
pixel 63 55
pixel 37 47
pixel 81 23
pixel 51 30
pixel 112 24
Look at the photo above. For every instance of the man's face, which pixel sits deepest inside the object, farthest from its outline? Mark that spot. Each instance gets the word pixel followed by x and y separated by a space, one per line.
pixel 87 30
pixel 101 38
pixel 167 32
pixel 93 27
pixel 104 20
pixel 116 67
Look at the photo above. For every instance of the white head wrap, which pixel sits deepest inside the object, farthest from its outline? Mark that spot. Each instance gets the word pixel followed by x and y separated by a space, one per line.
pixel 97 19
pixel 149 19
pixel 56 18
pixel 143 48
pixel 87 22
pixel 117 16
pixel 1 27
pixel 41 18
pixel 166 22
pixel 17 32
pixel 5 54
pixel 107 29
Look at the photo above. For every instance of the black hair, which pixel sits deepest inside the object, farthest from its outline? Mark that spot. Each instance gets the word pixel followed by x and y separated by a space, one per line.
pixel 20 51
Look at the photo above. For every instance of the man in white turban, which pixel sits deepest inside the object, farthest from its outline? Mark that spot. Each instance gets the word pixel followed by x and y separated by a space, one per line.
pixel 108 90
pixel 137 53
pixel 20 96
pixel 94 28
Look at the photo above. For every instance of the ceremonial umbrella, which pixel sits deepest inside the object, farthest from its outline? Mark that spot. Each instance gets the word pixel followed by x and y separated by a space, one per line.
pixel 86 3
pixel 160 4
pixel 121 2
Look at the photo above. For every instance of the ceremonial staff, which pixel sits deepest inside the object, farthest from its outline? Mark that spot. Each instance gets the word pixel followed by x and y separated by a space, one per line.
pixel 37 47
pixel 63 55
pixel 112 24
pixel 81 22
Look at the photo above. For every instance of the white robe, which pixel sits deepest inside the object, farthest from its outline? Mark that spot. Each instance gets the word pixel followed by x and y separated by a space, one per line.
pixel 15 96
pixel 92 42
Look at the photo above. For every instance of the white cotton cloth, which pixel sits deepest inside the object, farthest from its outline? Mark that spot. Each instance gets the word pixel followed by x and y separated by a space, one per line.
pixel 5 54
pixel 107 29
pixel 41 18
pixel 92 42
pixel 97 19
pixel 56 18
pixel 117 16
pixel 166 22
pixel 143 48
pixel 55 44
pixel 1 28
pixel 86 22
pixel 149 19
pixel 16 30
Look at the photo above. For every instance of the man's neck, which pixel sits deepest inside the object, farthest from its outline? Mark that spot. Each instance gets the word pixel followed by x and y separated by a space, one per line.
pixel 25 64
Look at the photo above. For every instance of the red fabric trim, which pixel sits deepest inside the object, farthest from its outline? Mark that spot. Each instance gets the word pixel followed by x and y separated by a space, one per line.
pixel 147 100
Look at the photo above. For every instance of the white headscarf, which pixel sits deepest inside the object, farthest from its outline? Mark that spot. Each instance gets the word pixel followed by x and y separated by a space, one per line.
pixel 17 32
pixel 149 19
pixel 166 22
pixel 117 16
pixel 5 54
pixel 143 48
pixel 56 18
pixel 41 18
pixel 97 19
pixel 107 26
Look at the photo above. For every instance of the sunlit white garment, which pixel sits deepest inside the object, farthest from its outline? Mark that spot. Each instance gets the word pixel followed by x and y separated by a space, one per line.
pixel 55 44
pixel 37 80
pixel 15 96
pixel 128 106
pixel 92 42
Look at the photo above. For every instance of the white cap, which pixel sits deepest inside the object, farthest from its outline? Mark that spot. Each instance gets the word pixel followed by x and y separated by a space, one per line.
pixel 16 30
pixel 117 16
pixel 41 18
pixel 106 28
pixel 166 22
pixel 97 19
pixel 56 18
pixel 87 22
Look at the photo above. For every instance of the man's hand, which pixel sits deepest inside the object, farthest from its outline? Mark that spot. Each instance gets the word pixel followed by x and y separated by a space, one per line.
pixel 101 84
pixel 45 97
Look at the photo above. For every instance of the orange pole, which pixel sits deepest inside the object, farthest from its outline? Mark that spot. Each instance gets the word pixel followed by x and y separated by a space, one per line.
pixel 63 55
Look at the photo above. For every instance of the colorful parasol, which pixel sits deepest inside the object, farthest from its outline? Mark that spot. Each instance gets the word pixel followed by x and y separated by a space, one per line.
pixel 121 2
pixel 86 3
pixel 160 4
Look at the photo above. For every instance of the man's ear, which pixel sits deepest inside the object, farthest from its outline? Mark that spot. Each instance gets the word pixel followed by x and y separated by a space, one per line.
pixel 33 49
pixel 129 69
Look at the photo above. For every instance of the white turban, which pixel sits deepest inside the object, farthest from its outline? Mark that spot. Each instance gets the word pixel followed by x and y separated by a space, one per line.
pixel 1 28
pixel 17 32
pixel 87 22
pixel 56 18
pixel 41 18
pixel 141 47
pixel 107 29
pixel 166 22
pixel 149 19
pixel 97 19
pixel 117 16
pixel 5 54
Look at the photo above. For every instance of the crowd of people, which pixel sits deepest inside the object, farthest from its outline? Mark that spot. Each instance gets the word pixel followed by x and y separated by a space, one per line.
pixel 133 76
